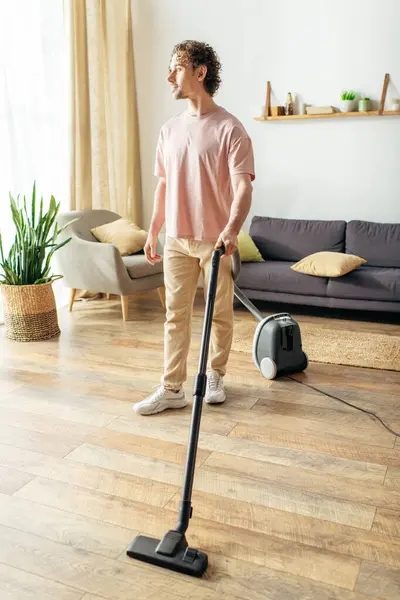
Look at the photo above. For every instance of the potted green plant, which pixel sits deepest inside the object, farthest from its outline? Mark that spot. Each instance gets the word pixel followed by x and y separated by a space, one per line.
pixel 26 280
pixel 347 99
pixel 363 104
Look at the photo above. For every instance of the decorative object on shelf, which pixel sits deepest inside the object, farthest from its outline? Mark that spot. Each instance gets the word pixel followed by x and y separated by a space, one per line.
pixel 289 105
pixel 395 103
pixel 347 99
pixel 302 108
pixel 319 110
pixel 363 104
pixel 30 311
pixel 277 111
pixel 267 109
pixel 384 92
pixel 266 116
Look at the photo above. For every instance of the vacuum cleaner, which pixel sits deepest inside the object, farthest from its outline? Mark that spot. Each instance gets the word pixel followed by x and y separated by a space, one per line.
pixel 173 551
pixel 277 347
pixel 276 350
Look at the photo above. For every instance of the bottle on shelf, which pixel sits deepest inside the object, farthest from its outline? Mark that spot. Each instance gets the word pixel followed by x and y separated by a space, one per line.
pixel 289 104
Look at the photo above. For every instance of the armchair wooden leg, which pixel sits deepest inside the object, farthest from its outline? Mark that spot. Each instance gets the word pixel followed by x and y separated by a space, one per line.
pixel 161 293
pixel 124 304
pixel 72 294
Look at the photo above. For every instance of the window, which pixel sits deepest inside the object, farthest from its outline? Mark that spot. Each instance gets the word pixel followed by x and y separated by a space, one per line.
pixel 34 104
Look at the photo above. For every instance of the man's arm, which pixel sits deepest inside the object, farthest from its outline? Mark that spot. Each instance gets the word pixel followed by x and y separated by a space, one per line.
pixel 240 208
pixel 157 221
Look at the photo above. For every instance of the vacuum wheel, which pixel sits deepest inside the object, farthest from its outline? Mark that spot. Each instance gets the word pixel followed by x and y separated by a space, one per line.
pixel 305 361
pixel 268 368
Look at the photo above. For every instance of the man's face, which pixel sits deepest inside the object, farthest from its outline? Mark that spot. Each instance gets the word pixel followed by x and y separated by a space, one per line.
pixel 184 80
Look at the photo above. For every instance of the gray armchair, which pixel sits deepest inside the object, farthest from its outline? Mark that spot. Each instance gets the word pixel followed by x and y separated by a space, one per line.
pixel 89 264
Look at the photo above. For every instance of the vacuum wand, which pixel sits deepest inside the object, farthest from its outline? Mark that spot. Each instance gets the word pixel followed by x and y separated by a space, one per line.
pixel 173 551
pixel 185 511
pixel 248 304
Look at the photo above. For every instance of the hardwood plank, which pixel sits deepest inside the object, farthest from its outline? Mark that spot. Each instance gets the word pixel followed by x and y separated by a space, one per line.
pixel 92 477
pixel 17 584
pixel 314 443
pixel 233 485
pixel 7 384
pixel 387 522
pixel 269 453
pixel 131 464
pixel 216 537
pixel 85 533
pixel 200 594
pixel 85 571
pixel 79 432
pixel 363 493
pixel 380 581
pixel 341 376
pixel 385 404
pixel 77 395
pixel 332 415
pixel 299 559
pixel 255 583
pixel 393 477
pixel 50 407
pixel 12 480
pixel 180 421
pixel 314 532
pixel 46 443
pixel 369 430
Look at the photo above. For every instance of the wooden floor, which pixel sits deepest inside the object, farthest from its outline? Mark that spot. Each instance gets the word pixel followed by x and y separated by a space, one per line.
pixel 296 496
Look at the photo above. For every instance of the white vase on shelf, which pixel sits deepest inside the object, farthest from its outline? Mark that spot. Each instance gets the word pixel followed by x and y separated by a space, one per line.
pixel 347 105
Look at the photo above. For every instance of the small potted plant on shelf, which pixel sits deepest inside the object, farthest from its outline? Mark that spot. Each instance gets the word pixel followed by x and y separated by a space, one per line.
pixel 363 105
pixel 30 311
pixel 347 101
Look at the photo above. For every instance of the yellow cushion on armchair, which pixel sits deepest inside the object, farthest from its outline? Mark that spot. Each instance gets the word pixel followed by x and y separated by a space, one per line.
pixel 123 234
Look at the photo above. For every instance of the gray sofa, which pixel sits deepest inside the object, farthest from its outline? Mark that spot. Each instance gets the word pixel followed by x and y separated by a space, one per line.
pixel 282 242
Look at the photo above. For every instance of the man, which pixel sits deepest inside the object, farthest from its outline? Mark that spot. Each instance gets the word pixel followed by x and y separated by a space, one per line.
pixel 205 165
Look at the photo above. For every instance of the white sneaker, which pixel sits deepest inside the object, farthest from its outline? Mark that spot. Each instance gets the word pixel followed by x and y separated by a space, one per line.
pixel 160 400
pixel 215 392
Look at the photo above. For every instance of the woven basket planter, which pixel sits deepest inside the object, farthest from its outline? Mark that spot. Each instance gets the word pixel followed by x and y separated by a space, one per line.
pixel 30 312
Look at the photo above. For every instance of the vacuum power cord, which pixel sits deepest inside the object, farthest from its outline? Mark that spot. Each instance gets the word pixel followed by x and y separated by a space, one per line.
pixel 368 412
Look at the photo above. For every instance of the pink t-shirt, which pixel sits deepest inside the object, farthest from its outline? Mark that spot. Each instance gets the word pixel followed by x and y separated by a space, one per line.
pixel 197 156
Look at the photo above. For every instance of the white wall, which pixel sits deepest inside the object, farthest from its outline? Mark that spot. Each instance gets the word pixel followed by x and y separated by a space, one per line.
pixel 334 168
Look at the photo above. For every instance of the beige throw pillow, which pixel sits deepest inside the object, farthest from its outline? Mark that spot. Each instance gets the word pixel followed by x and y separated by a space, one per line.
pixel 328 264
pixel 126 236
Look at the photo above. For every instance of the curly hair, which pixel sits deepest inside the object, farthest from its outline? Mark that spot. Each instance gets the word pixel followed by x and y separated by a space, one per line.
pixel 200 53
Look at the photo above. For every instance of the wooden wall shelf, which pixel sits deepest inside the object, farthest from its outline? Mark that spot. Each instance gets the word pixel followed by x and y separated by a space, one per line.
pixel 371 113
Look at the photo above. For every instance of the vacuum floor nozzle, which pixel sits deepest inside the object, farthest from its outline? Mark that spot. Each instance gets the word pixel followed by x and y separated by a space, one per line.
pixel 184 560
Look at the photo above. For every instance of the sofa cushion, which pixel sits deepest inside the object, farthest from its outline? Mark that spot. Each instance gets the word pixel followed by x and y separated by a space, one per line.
pixel 293 239
pixel 138 266
pixel 277 276
pixel 248 251
pixel 367 283
pixel 378 243
pixel 328 264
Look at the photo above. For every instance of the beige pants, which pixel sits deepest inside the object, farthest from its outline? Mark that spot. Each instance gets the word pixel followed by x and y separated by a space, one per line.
pixel 184 260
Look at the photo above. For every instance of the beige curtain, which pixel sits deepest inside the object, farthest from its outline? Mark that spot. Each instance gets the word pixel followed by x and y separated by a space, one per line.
pixel 105 161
